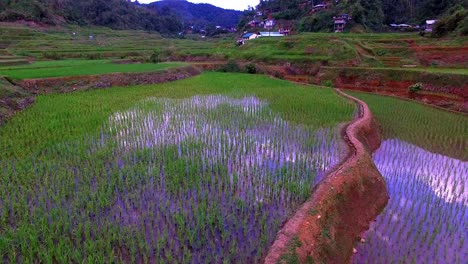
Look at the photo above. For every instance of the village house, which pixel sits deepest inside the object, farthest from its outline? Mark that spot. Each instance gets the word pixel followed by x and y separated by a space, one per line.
pixel 318 7
pixel 429 25
pixel 340 22
pixel 269 23
pixel 248 36
pixel 271 34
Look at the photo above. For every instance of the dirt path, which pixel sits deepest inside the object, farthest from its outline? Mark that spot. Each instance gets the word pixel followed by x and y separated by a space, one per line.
pixel 327 227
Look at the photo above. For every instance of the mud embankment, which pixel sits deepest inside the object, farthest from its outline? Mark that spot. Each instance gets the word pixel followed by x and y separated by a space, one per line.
pixel 327 227
pixel 17 96
pixel 12 99
pixel 70 84
pixel 447 90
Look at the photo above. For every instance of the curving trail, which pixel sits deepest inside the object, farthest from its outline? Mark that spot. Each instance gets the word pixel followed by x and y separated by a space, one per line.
pixel 328 225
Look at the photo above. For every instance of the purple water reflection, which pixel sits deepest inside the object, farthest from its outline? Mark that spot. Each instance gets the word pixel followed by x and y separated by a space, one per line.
pixel 217 177
pixel 426 220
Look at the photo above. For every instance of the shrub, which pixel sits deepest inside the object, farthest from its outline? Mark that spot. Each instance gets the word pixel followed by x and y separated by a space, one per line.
pixel 415 88
pixel 251 68
pixel 327 83
pixel 155 57
pixel 52 55
pixel 93 56
pixel 230 66
pixel 457 21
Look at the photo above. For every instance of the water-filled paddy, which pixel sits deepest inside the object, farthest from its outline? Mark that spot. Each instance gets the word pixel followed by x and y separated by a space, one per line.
pixel 199 170
pixel 426 220
pixel 423 161
pixel 223 175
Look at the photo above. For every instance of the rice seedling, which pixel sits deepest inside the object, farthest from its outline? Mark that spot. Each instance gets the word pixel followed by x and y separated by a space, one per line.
pixel 426 220
pixel 182 172
pixel 47 69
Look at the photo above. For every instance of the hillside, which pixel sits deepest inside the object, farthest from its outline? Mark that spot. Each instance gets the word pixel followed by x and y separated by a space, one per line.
pixel 200 15
pixel 368 15
pixel 164 16
pixel 116 14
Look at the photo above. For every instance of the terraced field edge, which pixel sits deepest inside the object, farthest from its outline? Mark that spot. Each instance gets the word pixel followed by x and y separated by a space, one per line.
pixel 327 227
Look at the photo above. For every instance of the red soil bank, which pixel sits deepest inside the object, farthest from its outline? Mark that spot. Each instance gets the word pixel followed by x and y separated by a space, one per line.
pixel 443 56
pixel 449 91
pixel 69 84
pixel 452 98
pixel 327 227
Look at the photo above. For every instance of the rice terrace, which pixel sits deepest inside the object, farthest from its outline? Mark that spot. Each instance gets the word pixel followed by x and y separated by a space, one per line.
pixel 289 132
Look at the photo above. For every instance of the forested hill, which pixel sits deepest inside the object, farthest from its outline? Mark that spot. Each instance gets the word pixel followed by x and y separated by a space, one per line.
pixel 116 14
pixel 199 15
pixel 366 14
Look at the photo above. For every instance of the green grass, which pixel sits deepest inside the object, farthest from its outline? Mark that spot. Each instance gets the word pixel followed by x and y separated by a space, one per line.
pixel 334 49
pixel 46 69
pixel 432 129
pixel 68 117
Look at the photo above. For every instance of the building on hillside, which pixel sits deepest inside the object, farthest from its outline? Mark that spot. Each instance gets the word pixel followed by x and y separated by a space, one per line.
pixel 285 31
pixel 319 7
pixel 269 24
pixel 429 25
pixel 248 36
pixel 340 22
pixel 271 34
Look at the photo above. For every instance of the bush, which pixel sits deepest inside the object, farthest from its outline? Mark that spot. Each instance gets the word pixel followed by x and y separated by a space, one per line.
pixel 230 66
pixel 320 21
pixel 93 56
pixel 456 22
pixel 415 88
pixel 52 55
pixel 327 83
pixel 160 56
pixel 155 57
pixel 251 68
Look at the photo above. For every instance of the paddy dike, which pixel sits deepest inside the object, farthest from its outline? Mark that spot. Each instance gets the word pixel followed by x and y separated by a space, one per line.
pixel 328 226
pixel 74 83
pixel 442 89
pixel 17 96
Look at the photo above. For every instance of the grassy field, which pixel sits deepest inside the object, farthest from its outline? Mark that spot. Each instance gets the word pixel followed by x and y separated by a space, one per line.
pixel 368 50
pixel 78 171
pixel 62 68
pixel 432 129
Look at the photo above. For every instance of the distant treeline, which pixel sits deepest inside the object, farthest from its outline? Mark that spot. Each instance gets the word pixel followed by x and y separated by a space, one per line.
pixel 116 14
pixel 198 15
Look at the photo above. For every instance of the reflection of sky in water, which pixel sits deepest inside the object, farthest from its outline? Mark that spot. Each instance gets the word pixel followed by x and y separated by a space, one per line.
pixel 426 220
pixel 256 167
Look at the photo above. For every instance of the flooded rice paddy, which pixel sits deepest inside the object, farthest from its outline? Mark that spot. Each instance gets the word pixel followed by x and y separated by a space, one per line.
pixel 426 220
pixel 206 179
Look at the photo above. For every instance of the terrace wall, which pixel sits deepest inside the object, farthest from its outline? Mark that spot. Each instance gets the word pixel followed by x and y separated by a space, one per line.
pixel 327 227
pixel 69 84
pixel 441 89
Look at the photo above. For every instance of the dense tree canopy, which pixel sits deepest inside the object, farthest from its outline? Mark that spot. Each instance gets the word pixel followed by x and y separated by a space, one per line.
pixel 369 14
pixel 117 14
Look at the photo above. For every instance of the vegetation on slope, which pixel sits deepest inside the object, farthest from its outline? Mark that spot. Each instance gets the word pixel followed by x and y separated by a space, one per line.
pixel 116 14
pixel 371 15
pixel 198 15
pixel 455 20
